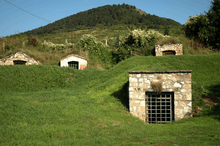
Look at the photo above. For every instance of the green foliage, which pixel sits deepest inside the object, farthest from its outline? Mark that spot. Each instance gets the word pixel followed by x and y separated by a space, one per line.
pixel 138 42
pixel 108 15
pixel 213 16
pixel 166 31
pixel 205 28
pixel 97 50
pixel 9 47
pixel 199 28
pixel 33 41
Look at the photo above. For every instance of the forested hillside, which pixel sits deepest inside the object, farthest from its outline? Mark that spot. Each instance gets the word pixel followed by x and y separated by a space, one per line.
pixel 108 15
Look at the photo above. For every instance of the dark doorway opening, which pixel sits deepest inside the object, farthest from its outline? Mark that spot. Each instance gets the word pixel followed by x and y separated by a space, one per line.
pixel 159 107
pixel 74 64
pixel 19 62
pixel 169 52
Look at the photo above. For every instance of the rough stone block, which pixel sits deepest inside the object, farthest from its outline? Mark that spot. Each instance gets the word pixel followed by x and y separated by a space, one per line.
pixel 133 80
pixel 138 75
pixel 141 80
pixel 177 85
pixel 182 90
pixel 133 84
pixel 142 103
pixel 141 85
pixel 187 86
pixel 178 96
pixel 187 96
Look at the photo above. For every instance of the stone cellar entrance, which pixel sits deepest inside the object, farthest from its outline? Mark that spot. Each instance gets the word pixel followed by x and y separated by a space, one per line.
pixel 159 107
pixel 73 60
pixel 169 49
pixel 19 58
pixel 160 96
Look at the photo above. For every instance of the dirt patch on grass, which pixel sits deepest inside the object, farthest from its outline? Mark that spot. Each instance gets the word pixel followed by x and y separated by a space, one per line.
pixel 197 111
pixel 209 100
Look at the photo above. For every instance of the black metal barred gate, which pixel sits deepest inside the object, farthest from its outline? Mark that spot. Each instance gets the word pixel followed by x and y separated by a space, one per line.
pixel 168 52
pixel 159 107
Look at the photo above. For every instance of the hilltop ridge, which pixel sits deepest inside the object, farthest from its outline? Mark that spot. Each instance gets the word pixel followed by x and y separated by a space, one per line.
pixel 108 15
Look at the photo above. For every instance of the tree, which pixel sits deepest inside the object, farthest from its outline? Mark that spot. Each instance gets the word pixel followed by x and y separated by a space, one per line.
pixel 166 31
pixel 206 28
pixel 199 28
pixel 214 18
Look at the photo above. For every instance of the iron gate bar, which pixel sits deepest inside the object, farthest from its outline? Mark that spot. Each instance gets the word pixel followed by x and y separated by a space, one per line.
pixel 159 107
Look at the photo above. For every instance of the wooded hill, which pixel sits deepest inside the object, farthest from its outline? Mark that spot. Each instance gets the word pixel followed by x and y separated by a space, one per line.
pixel 108 15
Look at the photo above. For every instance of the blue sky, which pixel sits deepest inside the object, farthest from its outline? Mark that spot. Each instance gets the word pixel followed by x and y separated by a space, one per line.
pixel 13 20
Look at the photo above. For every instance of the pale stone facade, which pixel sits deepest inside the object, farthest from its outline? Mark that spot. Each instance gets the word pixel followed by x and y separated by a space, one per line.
pixel 82 62
pixel 169 47
pixel 177 82
pixel 18 58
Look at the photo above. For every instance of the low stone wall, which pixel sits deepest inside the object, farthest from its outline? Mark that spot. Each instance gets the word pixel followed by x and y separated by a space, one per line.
pixel 19 56
pixel 169 47
pixel 178 82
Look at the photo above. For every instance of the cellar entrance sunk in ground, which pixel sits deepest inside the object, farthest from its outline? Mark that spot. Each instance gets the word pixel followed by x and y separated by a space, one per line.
pixel 160 96
pixel 73 60
pixel 169 49
pixel 19 58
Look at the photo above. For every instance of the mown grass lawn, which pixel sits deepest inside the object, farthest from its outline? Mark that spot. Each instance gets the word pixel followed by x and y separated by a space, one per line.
pixel 49 105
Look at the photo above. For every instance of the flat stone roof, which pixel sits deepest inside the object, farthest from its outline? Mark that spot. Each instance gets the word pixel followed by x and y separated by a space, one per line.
pixel 168 71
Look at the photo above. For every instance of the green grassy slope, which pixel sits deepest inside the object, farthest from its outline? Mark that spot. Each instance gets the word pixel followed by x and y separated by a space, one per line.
pixel 90 107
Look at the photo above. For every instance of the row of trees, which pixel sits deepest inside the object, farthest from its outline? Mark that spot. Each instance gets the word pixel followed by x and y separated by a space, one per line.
pixel 206 28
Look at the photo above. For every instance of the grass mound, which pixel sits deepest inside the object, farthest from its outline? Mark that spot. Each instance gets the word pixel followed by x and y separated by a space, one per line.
pixel 35 77
pixel 93 108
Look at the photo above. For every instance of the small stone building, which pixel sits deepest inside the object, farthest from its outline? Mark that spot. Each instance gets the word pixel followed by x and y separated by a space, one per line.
pixel 160 96
pixel 169 49
pixel 18 58
pixel 73 60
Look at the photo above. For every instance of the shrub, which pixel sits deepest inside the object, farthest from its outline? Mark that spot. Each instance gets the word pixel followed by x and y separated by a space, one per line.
pixel 97 50
pixel 205 28
pixel 9 47
pixel 138 42
pixel 32 41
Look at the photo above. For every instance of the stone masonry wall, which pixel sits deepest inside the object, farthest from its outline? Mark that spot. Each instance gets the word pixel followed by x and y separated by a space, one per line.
pixel 9 60
pixel 178 82
pixel 169 47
